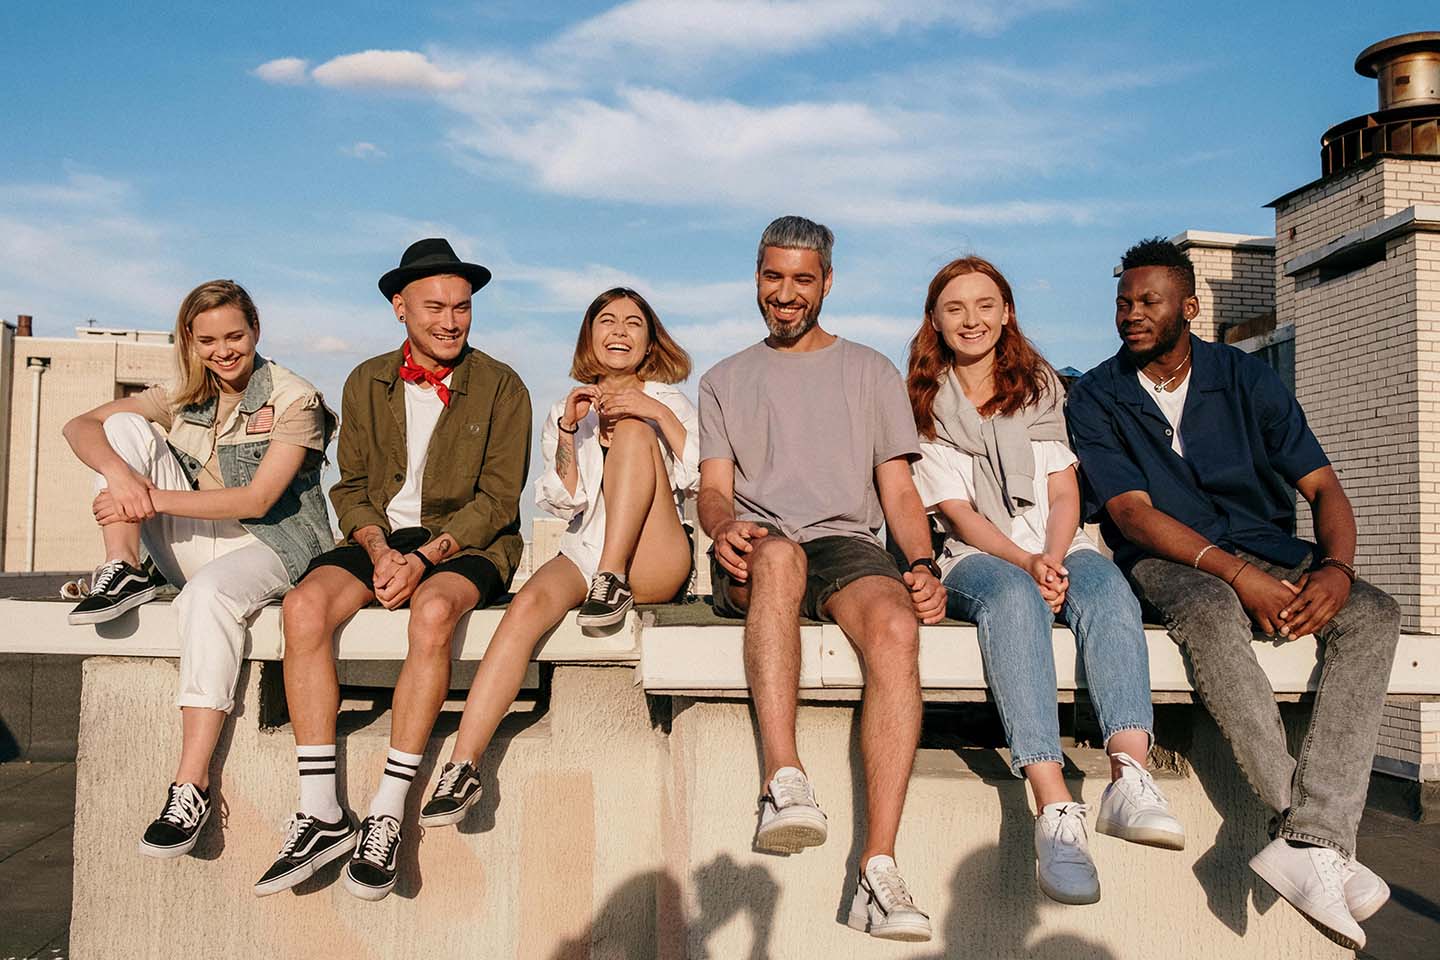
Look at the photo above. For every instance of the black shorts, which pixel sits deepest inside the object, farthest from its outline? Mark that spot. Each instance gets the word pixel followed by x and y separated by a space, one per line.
pixel 831 563
pixel 355 561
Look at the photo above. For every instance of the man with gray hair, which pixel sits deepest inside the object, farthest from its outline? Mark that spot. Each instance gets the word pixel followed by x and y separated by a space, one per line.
pixel 806 441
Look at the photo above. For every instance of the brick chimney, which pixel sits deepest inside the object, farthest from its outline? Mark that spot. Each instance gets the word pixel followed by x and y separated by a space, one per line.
pixel 23 324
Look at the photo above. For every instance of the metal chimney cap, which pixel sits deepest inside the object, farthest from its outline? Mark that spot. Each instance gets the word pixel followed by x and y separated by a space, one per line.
pixel 1374 56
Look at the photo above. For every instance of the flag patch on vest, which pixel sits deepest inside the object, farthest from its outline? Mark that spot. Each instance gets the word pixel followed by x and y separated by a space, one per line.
pixel 262 420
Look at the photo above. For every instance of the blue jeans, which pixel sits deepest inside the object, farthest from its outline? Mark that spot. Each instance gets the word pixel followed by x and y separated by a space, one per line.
pixel 1015 627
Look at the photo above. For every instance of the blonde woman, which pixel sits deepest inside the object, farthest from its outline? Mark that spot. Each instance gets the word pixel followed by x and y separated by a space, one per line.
pixel 218 475
pixel 621 454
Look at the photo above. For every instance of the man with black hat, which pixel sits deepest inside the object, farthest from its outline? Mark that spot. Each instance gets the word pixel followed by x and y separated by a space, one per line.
pixel 433 452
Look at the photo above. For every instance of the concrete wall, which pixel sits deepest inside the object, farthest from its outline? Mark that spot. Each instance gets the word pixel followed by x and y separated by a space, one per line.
pixel 1366 373
pixel 608 833
pixel 1234 280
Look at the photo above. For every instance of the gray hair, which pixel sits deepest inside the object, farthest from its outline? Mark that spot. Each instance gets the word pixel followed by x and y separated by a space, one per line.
pixel 797 233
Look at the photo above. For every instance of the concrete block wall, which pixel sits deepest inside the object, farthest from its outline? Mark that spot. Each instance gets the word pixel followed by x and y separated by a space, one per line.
pixel 1409 743
pixel 1362 372
pixel 1234 284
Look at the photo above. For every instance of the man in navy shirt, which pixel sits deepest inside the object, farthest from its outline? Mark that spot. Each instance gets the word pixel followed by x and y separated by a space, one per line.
pixel 1189 451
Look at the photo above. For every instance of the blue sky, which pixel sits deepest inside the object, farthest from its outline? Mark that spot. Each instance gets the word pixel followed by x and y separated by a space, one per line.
pixel 299 147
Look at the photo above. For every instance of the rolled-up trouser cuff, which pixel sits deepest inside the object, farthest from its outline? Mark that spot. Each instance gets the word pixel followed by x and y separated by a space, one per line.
pixel 1017 764
pixel 1311 838
pixel 209 703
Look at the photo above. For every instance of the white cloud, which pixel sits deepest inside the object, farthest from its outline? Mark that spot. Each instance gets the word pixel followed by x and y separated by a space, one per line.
pixel 387 70
pixel 285 70
pixel 363 150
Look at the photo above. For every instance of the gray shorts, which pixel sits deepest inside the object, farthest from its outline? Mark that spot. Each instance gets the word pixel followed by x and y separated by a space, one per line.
pixel 831 563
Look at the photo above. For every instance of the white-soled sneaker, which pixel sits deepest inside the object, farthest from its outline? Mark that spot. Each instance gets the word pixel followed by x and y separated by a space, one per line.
pixel 1365 893
pixel 1062 854
pixel 883 906
pixel 174 832
pixel 1312 880
pixel 790 819
pixel 1133 808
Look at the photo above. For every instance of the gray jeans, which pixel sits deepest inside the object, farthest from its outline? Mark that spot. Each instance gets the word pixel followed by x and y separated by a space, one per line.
pixel 1320 795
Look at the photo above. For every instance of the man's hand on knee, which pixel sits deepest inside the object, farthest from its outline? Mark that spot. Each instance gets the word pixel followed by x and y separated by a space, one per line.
pixel 927 595
pixel 732 546
pixel 401 583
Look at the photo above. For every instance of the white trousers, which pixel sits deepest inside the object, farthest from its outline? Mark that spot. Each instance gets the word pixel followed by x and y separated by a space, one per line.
pixel 224 573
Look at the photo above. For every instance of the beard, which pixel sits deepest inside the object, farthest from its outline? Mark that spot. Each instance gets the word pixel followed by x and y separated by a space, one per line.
pixel 794 330
pixel 1166 337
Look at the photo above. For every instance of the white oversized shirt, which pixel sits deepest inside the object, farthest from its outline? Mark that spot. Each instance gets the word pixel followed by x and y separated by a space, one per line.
pixel 944 473
pixel 585 508
pixel 422 411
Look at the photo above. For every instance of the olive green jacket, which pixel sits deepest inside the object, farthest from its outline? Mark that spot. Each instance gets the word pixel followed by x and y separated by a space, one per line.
pixel 478 456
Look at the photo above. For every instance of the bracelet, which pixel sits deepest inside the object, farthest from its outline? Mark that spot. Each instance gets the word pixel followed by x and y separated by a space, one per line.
pixel 560 425
pixel 1340 565
pixel 928 563
pixel 426 561
pixel 1236 575
pixel 1203 550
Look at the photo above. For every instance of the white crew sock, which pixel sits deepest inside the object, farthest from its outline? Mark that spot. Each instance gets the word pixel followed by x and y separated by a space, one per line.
pixel 317 781
pixel 400 770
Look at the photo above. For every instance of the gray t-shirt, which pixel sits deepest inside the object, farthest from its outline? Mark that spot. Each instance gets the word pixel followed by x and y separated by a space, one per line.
pixel 806 432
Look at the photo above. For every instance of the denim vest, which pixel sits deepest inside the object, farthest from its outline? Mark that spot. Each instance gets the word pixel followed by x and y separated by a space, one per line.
pixel 297 527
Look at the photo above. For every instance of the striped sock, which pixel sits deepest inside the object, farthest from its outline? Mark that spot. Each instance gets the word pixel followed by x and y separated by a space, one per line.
pixel 317 781
pixel 400 770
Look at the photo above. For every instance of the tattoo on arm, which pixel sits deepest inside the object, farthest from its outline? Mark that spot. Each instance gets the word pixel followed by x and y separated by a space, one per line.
pixel 444 546
pixel 373 542
pixel 564 457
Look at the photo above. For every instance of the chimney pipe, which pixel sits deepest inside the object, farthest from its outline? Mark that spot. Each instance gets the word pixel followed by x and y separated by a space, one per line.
pixel 22 325
pixel 1407 66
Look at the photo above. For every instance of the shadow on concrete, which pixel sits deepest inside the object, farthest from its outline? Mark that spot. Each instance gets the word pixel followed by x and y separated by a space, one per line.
pixel 624 933
pixel 716 884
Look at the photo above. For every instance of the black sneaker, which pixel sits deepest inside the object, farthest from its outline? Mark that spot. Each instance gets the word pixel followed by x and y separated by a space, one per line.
pixel 607 603
pixel 370 874
pixel 310 843
pixel 175 831
pixel 458 788
pixel 117 587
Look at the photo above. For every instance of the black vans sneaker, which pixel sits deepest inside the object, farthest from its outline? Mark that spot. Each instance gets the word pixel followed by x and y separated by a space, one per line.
pixel 117 587
pixel 175 831
pixel 370 874
pixel 458 788
pixel 310 843
pixel 607 603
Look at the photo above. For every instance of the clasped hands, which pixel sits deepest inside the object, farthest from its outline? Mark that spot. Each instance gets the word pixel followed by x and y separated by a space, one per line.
pixel 610 405
pixel 396 577
pixel 1291 610
pixel 127 498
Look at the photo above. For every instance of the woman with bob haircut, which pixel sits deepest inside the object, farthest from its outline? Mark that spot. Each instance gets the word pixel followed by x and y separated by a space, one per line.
pixel 218 475
pixel 997 471
pixel 621 454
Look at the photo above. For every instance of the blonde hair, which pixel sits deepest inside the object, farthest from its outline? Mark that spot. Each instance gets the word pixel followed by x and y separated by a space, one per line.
pixel 195 383
pixel 667 361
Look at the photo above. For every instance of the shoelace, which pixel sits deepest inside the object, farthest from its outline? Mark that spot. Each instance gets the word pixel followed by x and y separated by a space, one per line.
pixel 295 827
pixel 1149 792
pixel 378 841
pixel 449 780
pixel 600 590
pixel 790 791
pixel 1068 832
pixel 185 806
pixel 893 889
pixel 1334 870
pixel 106 575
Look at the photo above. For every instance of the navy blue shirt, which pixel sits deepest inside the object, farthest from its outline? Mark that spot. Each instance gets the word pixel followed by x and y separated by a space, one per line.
pixel 1246 444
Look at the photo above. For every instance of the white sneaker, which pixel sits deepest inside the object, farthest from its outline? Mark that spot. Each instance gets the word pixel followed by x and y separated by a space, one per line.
pixel 1312 880
pixel 1365 893
pixel 1062 854
pixel 790 819
pixel 883 907
pixel 1134 809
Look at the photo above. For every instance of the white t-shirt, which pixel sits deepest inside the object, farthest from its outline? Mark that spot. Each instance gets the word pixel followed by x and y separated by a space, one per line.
pixel 1171 404
pixel 944 473
pixel 422 412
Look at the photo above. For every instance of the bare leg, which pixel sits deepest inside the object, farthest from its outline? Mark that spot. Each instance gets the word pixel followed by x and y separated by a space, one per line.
pixel 772 645
pixel 553 589
pixel 122 542
pixel 435 608
pixel 1047 783
pixel 1134 742
pixel 877 616
pixel 660 563
pixel 635 485
pixel 200 731
pixel 312 612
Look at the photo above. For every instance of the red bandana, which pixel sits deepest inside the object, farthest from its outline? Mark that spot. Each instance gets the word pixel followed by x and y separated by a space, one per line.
pixel 412 372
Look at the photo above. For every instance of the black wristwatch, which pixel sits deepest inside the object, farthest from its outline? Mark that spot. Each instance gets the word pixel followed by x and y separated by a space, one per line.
pixel 425 561
pixel 929 564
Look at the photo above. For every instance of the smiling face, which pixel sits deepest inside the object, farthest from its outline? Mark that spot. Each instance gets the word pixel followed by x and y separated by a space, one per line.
pixel 620 337
pixel 969 315
pixel 224 342
pixel 1152 311
pixel 436 314
pixel 790 287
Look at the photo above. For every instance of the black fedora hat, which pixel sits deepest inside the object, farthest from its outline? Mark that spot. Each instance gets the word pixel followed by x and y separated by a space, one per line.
pixel 427 258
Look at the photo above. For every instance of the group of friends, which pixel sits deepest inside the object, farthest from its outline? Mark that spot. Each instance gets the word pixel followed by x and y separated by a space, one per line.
pixel 976 463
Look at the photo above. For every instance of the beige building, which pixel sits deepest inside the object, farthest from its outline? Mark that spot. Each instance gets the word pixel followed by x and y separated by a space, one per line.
pixel 44 381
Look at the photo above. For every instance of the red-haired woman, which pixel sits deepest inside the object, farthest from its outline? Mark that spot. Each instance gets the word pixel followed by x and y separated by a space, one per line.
pixel 996 469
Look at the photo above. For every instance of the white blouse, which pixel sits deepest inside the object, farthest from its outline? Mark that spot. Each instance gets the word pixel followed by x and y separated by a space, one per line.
pixel 585 508
pixel 944 473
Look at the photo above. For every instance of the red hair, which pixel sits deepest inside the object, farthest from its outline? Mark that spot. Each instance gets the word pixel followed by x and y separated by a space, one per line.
pixel 1021 374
